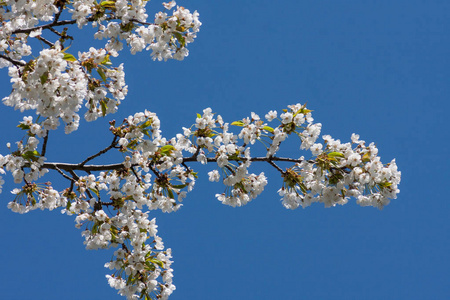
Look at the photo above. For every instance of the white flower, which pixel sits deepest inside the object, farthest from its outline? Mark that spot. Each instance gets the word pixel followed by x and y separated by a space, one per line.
pixel 214 176
pixel 286 118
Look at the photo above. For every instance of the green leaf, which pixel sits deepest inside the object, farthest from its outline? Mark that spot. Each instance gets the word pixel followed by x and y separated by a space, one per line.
pixel 104 107
pixel 130 279
pixel 108 4
pixel 167 149
pixel 31 155
pixel 150 266
pixel 335 154
pixel 44 77
pixel 94 229
pixel 157 262
pixel 146 124
pixel 238 123
pixel 366 157
pixel 69 57
pixel 169 191
pixel 385 184
pixel 106 61
pixel 180 39
pixel 180 186
pixel 95 191
pixel 268 128
pixel 102 74
pixel 23 126
pixel 199 116
pixel 302 187
pixel 145 131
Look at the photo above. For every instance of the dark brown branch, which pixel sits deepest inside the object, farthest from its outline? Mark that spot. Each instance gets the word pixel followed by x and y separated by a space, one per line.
pixel 58 14
pixel 118 166
pixel 55 31
pixel 140 22
pixel 266 159
pixel 14 62
pixel 74 175
pixel 135 174
pixel 64 175
pixel 79 167
pixel 275 166
pixel 111 146
pixel 44 145
pixel 46 26
pixel 45 41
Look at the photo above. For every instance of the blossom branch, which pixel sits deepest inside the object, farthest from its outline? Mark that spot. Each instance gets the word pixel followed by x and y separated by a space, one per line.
pixel 118 166
pixel 14 62
pixel 45 26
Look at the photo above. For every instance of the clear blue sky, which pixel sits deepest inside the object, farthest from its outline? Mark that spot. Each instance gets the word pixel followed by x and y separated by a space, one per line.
pixel 377 68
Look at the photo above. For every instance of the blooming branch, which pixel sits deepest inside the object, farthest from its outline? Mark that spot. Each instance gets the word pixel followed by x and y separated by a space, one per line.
pixel 155 172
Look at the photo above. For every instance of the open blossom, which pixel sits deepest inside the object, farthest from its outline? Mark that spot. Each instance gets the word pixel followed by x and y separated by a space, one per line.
pixel 214 175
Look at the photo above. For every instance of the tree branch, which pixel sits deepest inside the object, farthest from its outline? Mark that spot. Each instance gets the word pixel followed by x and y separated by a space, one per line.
pixel 44 145
pixel 112 145
pixel 46 26
pixel 276 167
pixel 90 168
pixel 14 62
pixel 64 175
pixel 45 41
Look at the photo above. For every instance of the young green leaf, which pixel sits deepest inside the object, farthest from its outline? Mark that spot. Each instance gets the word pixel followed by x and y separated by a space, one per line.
pixel 104 107
pixel 23 126
pixel 335 154
pixel 171 196
pixel 238 123
pixel 268 128
pixel 44 77
pixel 167 149
pixel 102 74
pixel 69 57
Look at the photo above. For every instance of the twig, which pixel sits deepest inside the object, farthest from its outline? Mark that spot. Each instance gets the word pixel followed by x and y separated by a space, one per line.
pixel 45 41
pixel 276 167
pixel 135 174
pixel 45 26
pixel 58 14
pixel 73 174
pixel 14 62
pixel 64 175
pixel 44 145
pixel 112 145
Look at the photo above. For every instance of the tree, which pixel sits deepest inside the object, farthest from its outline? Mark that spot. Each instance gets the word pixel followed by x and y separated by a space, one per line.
pixel 110 201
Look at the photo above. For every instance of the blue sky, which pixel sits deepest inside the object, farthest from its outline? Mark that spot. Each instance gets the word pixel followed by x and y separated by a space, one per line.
pixel 377 68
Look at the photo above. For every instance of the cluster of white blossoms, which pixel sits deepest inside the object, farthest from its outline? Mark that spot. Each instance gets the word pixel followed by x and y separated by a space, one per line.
pixel 56 84
pixel 167 37
pixel 154 174
pixel 338 172
pixel 112 203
